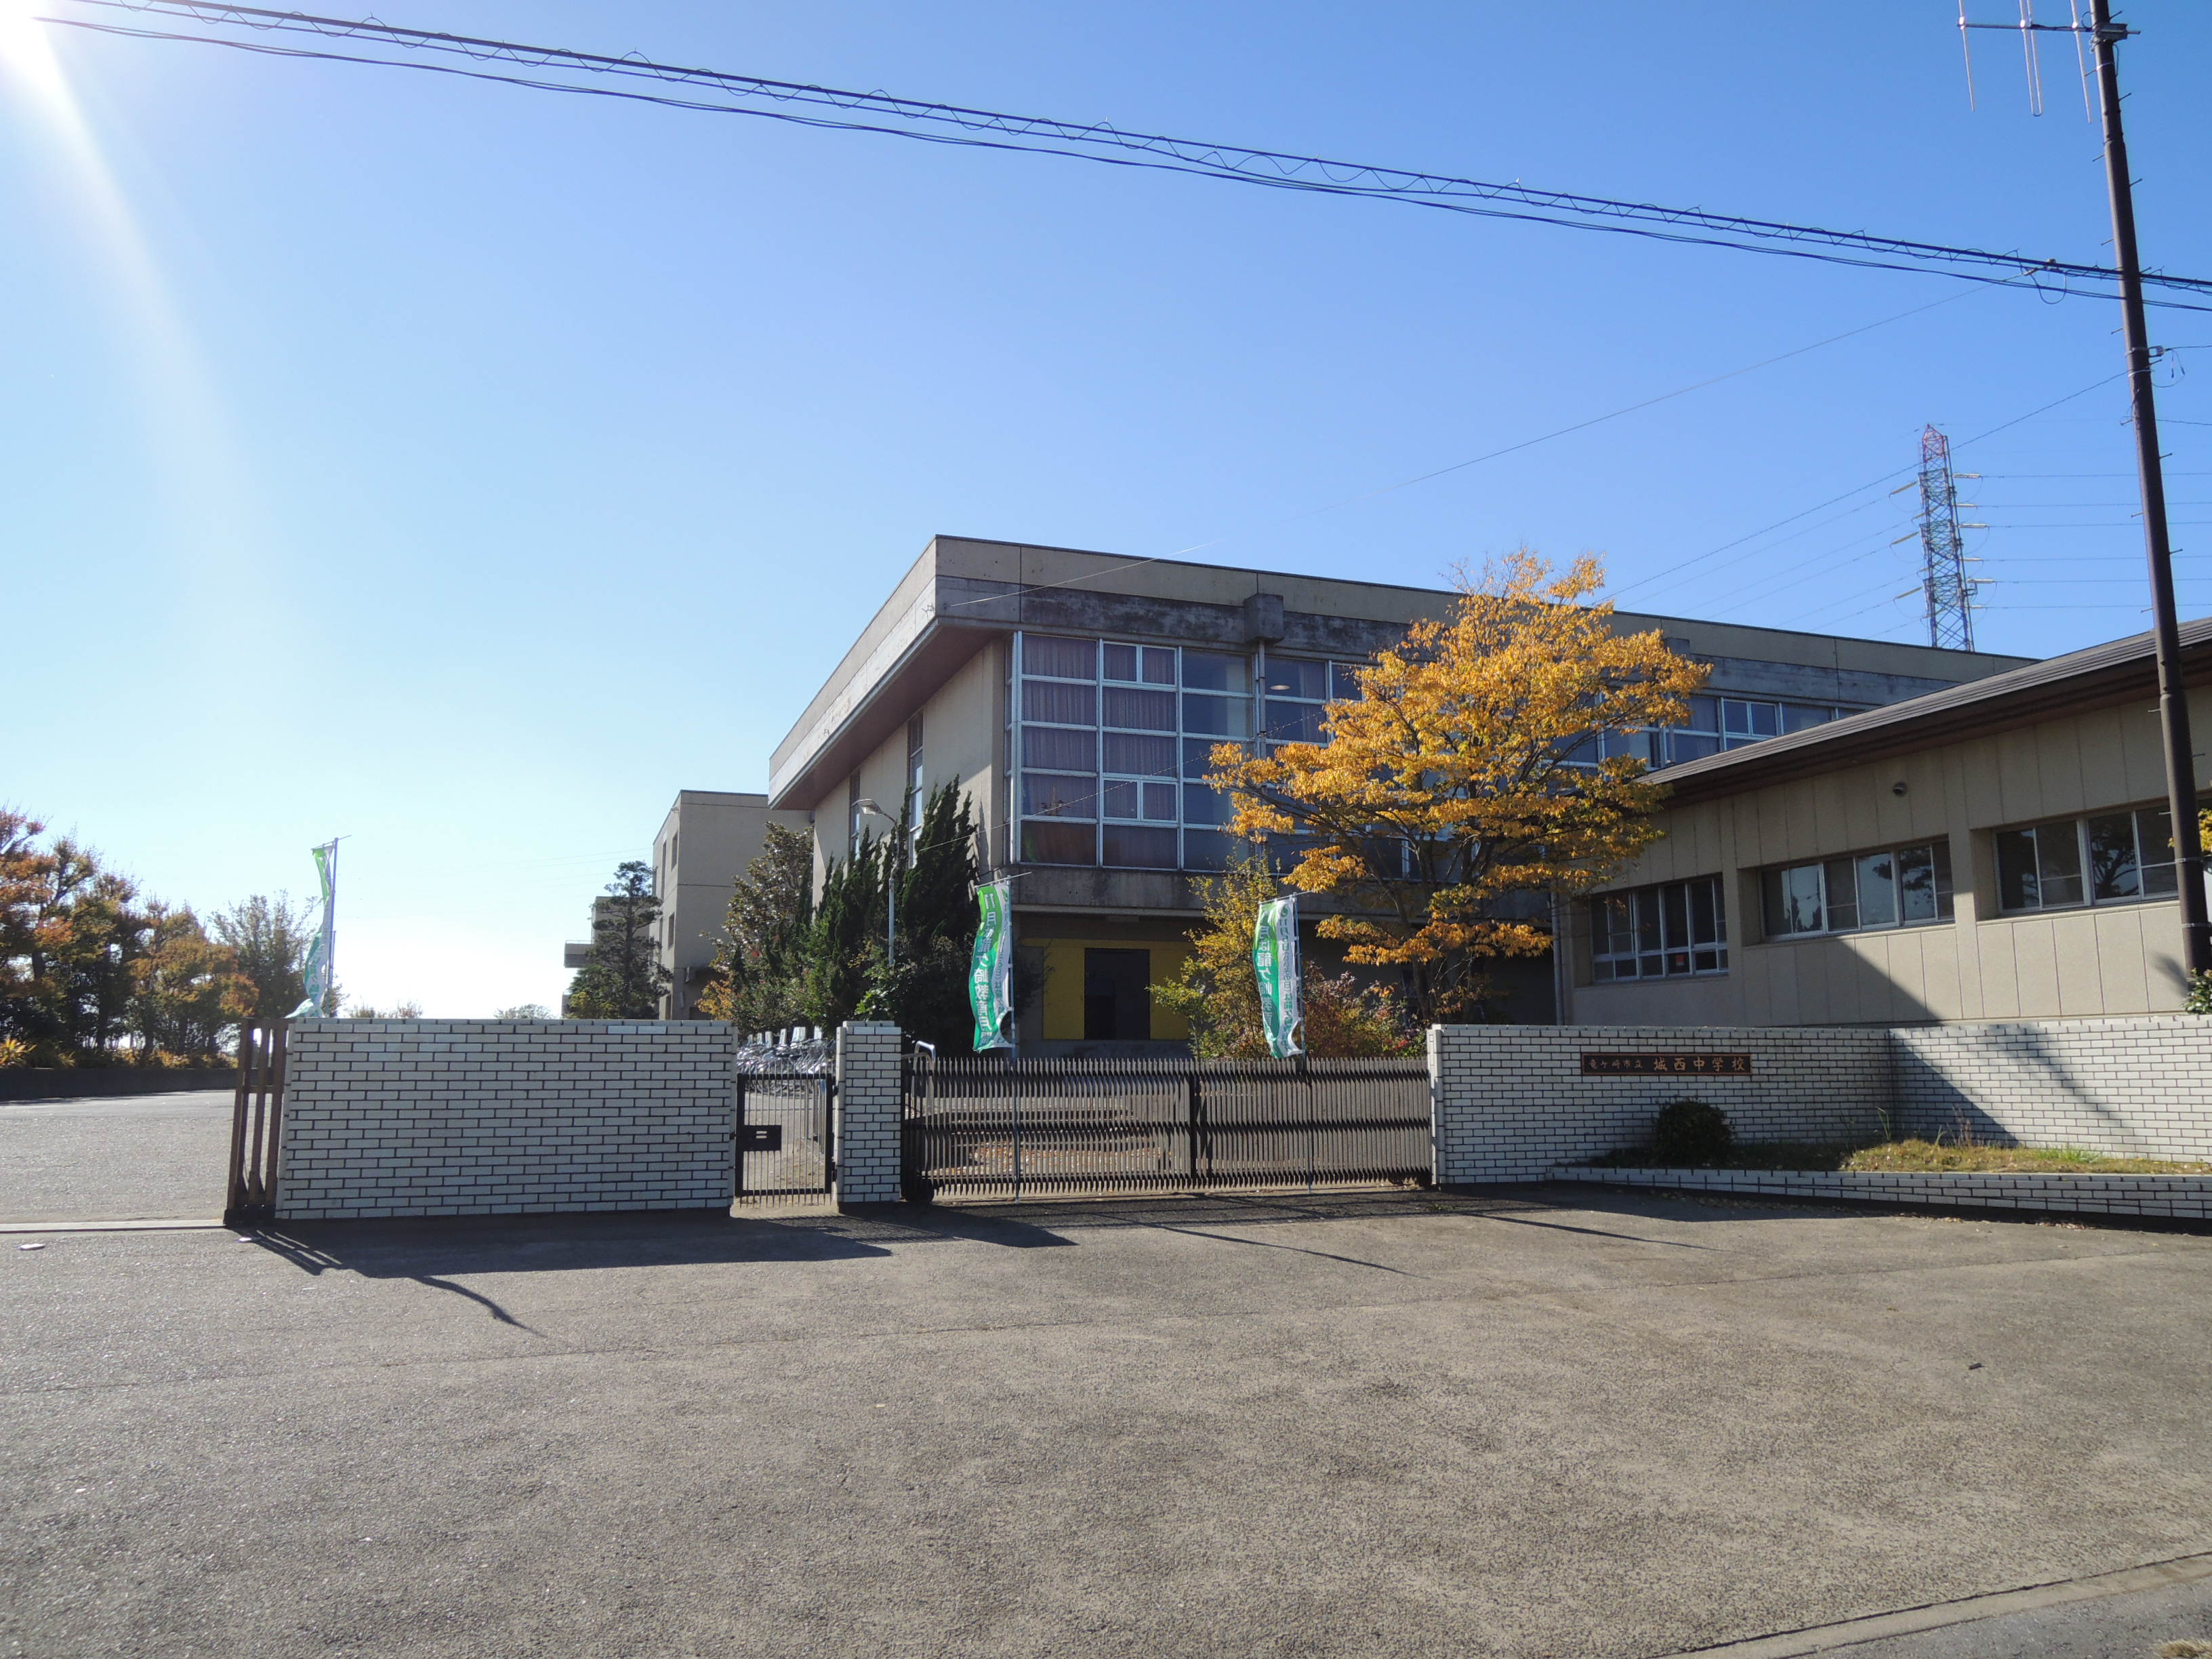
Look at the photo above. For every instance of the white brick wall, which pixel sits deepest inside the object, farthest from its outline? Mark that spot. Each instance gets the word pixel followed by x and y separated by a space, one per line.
pixel 2182 1197
pixel 869 1108
pixel 491 1117
pixel 2142 1085
pixel 1511 1102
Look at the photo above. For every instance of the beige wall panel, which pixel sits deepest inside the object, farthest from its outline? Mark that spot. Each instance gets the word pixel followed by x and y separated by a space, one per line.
pixel 2103 757
pixel 1999 958
pixel 1942 994
pixel 1984 782
pixel 2123 959
pixel 961 732
pixel 2161 933
pixel 2074 938
pixel 1859 807
pixel 2058 761
pixel 2035 967
pixel 2019 779
pixel 1711 1001
pixel 1904 965
pixel 1779 965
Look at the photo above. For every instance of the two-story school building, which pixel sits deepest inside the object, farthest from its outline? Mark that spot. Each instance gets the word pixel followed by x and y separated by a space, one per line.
pixel 1075 696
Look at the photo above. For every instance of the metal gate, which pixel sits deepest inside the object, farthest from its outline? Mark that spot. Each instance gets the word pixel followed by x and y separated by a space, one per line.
pixel 986 1129
pixel 786 1134
pixel 257 1125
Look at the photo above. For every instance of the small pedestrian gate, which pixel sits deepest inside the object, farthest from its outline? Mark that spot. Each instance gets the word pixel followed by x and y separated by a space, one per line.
pixel 786 1134
pixel 986 1129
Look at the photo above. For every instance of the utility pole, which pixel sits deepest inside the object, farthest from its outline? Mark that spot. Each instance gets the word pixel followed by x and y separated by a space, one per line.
pixel 2166 628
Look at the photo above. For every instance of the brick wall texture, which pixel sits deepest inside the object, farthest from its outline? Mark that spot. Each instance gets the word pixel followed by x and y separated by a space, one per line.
pixel 2182 1197
pixel 1510 1101
pixel 2142 1085
pixel 869 1113
pixel 492 1117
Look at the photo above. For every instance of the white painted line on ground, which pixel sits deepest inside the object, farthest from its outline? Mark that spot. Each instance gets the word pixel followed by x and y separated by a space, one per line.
pixel 1830 1638
pixel 158 1225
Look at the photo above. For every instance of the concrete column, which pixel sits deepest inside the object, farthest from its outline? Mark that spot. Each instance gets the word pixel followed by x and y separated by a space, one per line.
pixel 868 1113
pixel 1454 1106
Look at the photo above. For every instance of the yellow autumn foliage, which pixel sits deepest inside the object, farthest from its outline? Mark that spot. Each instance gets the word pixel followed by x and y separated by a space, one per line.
pixel 1442 809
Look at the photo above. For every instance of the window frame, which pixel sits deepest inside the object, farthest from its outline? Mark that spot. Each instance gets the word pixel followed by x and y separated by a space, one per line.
pixel 1775 879
pixel 1649 937
pixel 2085 869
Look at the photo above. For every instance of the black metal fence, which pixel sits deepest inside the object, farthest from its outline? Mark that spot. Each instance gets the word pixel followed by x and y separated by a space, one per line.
pixel 983 1128
pixel 785 1134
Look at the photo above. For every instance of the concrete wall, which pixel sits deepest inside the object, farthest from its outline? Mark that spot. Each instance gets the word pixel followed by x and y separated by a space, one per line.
pixel 2142 1087
pixel 2123 958
pixel 1511 1102
pixel 705 843
pixel 491 1117
pixel 2168 1197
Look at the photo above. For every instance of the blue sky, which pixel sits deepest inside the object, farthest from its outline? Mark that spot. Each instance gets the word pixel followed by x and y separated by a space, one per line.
pixel 466 468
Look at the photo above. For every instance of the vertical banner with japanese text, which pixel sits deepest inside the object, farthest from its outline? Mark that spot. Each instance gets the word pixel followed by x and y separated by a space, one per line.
pixel 1275 960
pixel 991 967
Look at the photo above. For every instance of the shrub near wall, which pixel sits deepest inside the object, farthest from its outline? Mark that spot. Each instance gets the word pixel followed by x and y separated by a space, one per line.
pixel 492 1117
pixel 1511 1101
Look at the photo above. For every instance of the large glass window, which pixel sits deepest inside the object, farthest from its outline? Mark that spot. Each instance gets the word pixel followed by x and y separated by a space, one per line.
pixel 1114 737
pixel 1674 929
pixel 1895 887
pixel 2107 858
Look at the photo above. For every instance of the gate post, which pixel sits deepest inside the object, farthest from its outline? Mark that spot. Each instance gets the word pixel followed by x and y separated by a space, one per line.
pixel 869 1113
pixel 1454 1099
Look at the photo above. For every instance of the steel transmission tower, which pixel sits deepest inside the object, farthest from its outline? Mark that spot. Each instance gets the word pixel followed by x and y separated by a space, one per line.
pixel 1943 578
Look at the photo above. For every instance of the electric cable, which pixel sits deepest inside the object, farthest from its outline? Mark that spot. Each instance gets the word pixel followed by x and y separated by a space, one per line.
pixel 1043 135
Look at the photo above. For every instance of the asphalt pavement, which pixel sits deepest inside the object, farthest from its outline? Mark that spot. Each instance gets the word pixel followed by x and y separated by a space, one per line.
pixel 1555 1423
pixel 127 1156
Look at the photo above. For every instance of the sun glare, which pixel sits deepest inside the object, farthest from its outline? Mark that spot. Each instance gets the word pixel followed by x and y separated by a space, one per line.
pixel 26 54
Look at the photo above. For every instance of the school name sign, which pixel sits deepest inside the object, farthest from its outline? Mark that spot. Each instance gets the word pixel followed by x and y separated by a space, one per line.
pixel 1685 1064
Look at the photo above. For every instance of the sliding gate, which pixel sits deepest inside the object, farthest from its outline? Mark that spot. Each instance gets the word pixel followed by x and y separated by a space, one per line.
pixel 982 1127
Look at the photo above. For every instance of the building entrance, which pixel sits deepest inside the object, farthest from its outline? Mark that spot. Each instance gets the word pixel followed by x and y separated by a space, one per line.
pixel 1117 996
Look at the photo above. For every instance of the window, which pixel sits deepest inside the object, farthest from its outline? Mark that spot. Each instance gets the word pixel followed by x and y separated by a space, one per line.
pixel 1675 930
pixel 1297 692
pixel 2106 859
pixel 917 783
pixel 1896 887
pixel 1716 724
pixel 1113 739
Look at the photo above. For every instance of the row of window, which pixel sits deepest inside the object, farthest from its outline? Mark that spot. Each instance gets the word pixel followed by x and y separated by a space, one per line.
pixel 1681 927
pixel 1716 724
pixel 1115 740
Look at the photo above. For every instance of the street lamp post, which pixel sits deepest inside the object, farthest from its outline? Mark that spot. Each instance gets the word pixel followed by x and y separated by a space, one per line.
pixel 866 805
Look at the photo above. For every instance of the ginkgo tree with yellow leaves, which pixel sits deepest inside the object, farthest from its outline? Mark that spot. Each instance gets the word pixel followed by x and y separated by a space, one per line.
pixel 1460 787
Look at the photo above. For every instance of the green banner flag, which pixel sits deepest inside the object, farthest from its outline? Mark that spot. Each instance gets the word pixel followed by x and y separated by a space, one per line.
pixel 991 968
pixel 317 969
pixel 1275 960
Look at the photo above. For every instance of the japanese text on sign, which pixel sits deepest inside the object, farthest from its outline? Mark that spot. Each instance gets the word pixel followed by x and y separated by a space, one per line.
pixel 1600 1065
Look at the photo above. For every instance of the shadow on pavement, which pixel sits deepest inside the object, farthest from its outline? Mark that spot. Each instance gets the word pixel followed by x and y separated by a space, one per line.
pixel 441 1248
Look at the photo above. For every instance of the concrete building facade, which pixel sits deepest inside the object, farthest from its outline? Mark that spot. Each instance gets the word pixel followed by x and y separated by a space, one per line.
pixel 705 843
pixel 1075 697
pixel 1997 851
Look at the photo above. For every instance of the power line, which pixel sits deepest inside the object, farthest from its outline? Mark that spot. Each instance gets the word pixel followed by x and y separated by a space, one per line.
pixel 946 123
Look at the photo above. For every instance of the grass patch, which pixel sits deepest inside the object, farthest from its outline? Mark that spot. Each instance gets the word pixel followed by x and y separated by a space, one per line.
pixel 1933 1155
pixel 1920 1156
